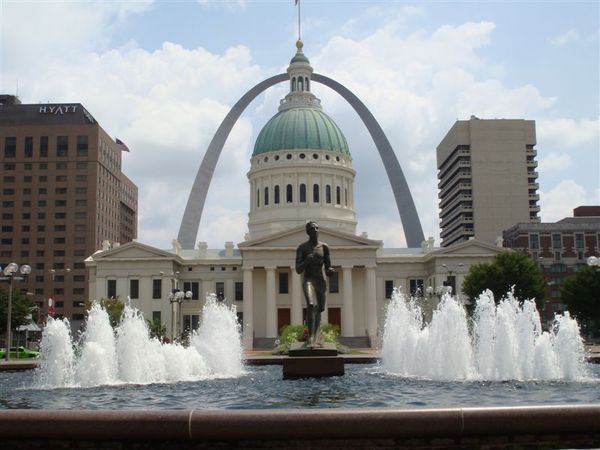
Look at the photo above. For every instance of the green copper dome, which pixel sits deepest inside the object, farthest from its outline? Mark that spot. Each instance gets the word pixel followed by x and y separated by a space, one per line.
pixel 300 128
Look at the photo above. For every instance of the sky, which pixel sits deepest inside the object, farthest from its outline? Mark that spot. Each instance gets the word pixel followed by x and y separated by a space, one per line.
pixel 161 76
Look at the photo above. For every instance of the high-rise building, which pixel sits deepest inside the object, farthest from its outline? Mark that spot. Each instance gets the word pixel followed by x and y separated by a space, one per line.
pixel 62 194
pixel 487 178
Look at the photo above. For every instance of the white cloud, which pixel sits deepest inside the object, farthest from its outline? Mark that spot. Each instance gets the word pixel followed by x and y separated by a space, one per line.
pixel 560 201
pixel 555 162
pixel 564 133
pixel 565 38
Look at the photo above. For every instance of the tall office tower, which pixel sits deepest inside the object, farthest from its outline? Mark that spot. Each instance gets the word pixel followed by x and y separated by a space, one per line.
pixel 62 194
pixel 487 178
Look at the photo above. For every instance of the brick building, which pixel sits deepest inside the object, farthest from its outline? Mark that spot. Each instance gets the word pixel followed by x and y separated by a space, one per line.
pixel 560 248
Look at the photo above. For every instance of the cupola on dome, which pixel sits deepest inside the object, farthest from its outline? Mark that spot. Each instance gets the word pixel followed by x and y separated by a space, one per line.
pixel 301 128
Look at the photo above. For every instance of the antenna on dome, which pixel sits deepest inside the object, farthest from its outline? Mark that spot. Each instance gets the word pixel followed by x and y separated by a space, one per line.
pixel 297 3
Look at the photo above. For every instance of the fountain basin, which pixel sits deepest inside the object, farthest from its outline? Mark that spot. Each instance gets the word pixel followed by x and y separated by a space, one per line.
pixel 551 426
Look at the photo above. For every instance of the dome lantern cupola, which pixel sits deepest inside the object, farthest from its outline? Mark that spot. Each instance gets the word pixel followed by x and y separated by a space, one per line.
pixel 301 165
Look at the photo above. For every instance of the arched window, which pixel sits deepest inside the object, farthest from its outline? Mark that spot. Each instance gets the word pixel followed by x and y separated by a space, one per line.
pixel 300 84
pixel 276 195
pixel 266 196
pixel 258 198
pixel 315 193
pixel 338 195
pixel 328 193
pixel 302 193
pixel 293 84
pixel 288 194
pixel 307 84
pixel 346 197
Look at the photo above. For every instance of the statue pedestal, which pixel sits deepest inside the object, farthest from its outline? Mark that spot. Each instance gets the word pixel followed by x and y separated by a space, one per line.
pixel 310 362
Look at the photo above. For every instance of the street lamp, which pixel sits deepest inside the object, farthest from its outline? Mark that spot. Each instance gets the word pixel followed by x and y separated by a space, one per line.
pixel 593 261
pixel 176 297
pixel 10 273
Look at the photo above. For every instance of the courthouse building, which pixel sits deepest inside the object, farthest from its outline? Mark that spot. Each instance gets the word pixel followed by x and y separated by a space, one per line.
pixel 301 169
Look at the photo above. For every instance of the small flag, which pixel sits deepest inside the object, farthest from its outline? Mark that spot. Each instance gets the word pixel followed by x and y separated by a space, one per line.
pixel 122 144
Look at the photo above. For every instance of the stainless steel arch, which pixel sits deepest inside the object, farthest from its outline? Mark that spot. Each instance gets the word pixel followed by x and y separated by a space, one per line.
pixel 195 205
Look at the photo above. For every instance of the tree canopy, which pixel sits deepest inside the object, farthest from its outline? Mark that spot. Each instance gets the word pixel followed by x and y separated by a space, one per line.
pixel 581 293
pixel 20 311
pixel 113 306
pixel 506 270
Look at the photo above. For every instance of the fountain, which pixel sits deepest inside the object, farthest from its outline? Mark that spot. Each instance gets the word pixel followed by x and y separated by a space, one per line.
pixel 129 355
pixel 499 358
pixel 501 342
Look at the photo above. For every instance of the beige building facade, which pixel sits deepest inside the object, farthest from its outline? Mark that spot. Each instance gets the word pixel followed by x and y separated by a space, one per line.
pixel 487 178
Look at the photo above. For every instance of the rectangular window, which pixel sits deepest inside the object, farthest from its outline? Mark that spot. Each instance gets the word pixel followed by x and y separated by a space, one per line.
pixel 283 283
pixel 579 241
pixel 28 147
pixel 556 241
pixel 79 278
pixel 43 146
pixel 389 288
pixel 534 241
pixel 10 147
pixel 61 166
pixel 134 288
pixel 334 283
pixel 82 146
pixel 9 166
pixel 416 287
pixel 156 288
pixel 61 178
pixel 220 288
pixel 111 288
pixel 156 316
pixel 78 291
pixel 60 203
pixel 193 287
pixel 239 291
pixel 60 190
pixel 62 146
pixel 80 203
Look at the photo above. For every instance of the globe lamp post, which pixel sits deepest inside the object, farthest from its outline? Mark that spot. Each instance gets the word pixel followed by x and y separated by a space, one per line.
pixel 11 273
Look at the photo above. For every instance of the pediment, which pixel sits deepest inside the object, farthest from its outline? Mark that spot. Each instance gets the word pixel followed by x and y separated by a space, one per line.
pixel 295 236
pixel 133 250
pixel 470 247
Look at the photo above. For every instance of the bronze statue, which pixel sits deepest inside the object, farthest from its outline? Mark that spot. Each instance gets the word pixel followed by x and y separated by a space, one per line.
pixel 311 257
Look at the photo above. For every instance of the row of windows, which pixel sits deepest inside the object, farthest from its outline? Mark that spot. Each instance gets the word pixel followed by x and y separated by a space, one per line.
pixel 289 195
pixel 290 156
pixel 78 252
pixel 80 165
pixel 62 146
pixel 57 215
pixel 44 191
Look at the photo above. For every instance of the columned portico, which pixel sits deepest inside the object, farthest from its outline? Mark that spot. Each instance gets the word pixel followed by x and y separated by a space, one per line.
pixel 347 302
pixel 296 317
pixel 371 303
pixel 248 307
pixel 271 303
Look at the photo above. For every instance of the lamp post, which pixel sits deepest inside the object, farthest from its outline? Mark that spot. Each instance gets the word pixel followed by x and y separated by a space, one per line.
pixel 51 299
pixel 593 261
pixel 10 273
pixel 176 297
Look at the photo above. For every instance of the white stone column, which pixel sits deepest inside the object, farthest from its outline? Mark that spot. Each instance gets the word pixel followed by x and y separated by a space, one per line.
pixel 271 304
pixel 371 300
pixel 248 307
pixel 296 317
pixel 347 302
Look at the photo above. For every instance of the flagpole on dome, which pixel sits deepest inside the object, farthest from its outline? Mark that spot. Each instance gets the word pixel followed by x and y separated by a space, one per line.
pixel 297 3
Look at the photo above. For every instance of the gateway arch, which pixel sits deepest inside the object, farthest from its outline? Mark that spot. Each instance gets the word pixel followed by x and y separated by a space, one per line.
pixel 190 223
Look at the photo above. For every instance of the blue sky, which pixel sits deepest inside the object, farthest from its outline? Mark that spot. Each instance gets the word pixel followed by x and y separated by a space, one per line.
pixel 162 75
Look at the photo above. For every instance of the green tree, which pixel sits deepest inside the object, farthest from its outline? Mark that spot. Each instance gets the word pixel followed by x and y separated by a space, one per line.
pixel 113 306
pixel 581 293
pixel 20 310
pixel 157 328
pixel 506 270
